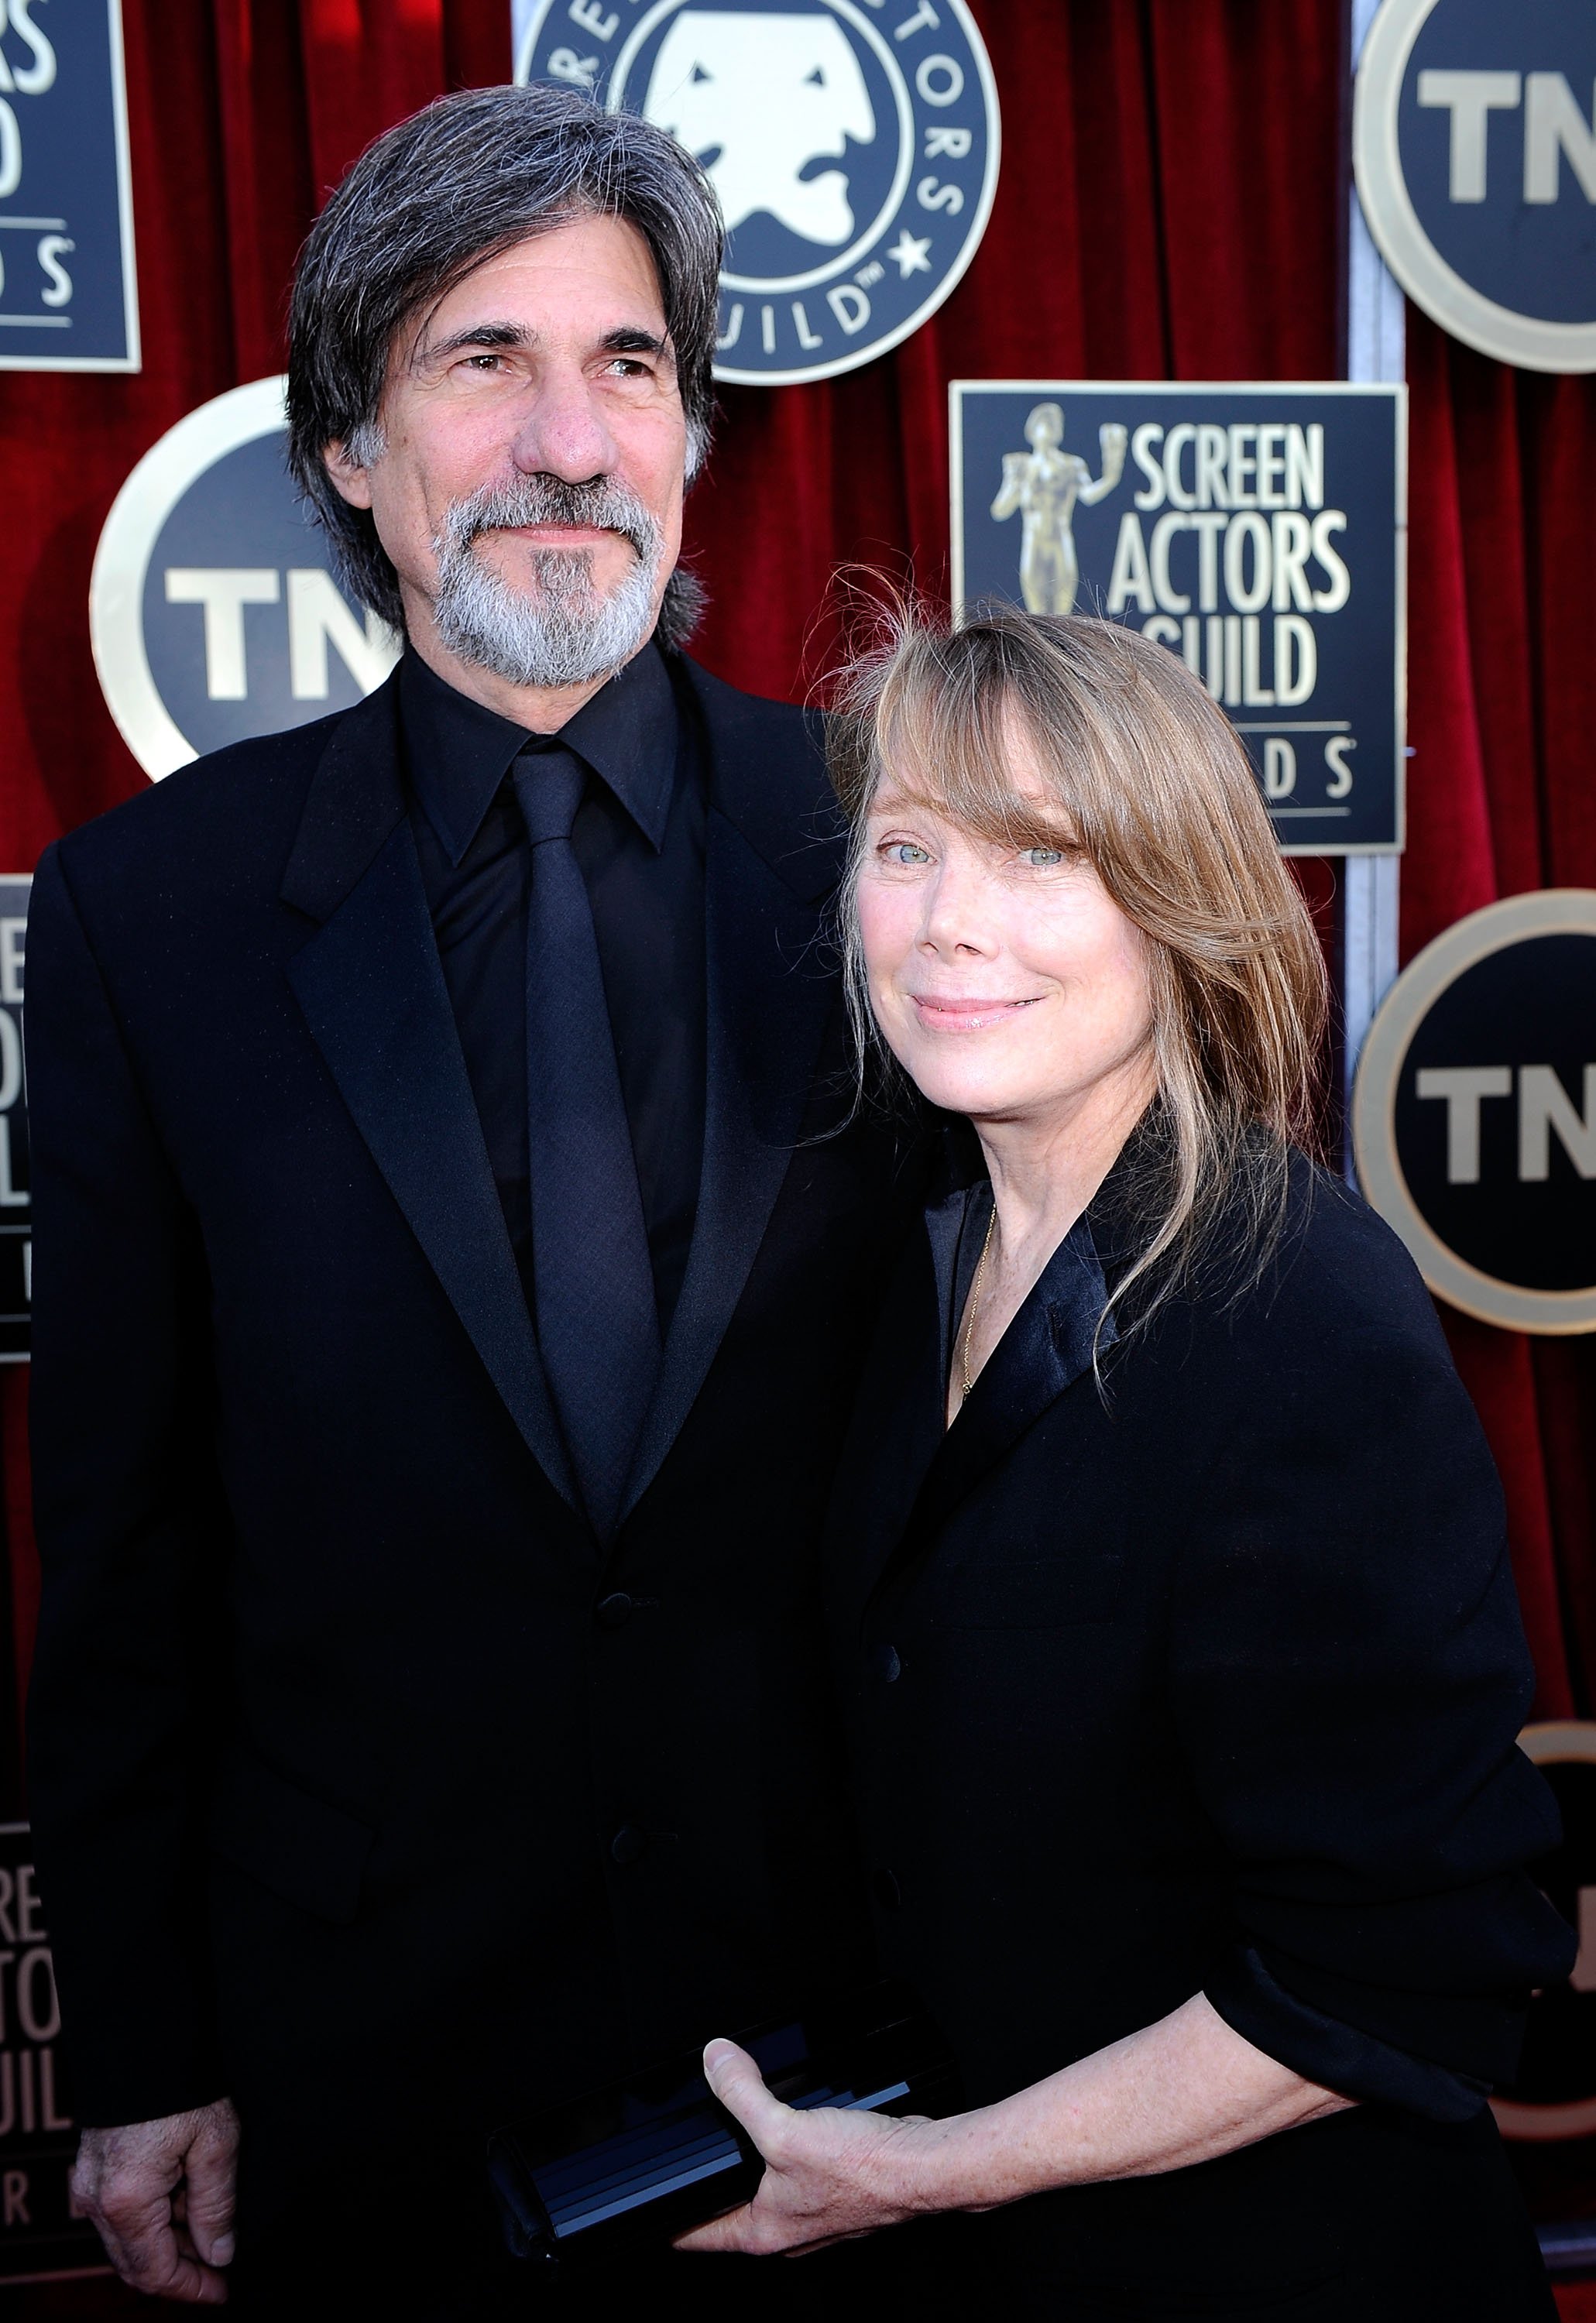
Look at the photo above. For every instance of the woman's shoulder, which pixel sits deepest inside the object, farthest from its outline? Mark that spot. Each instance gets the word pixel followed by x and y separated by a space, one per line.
pixel 1332 1271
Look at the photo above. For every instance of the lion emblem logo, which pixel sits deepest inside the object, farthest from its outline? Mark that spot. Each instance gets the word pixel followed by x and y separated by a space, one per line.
pixel 758 101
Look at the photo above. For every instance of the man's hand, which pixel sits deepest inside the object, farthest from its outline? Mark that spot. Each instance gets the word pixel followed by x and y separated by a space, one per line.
pixel 161 2193
pixel 830 2174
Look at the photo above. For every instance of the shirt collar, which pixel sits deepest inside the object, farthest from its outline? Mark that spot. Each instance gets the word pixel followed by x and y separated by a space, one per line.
pixel 459 752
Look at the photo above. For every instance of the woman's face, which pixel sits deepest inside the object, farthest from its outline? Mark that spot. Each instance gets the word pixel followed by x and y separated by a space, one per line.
pixel 1006 981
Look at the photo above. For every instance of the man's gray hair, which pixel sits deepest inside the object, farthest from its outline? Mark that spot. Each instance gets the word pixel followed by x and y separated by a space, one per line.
pixel 428 203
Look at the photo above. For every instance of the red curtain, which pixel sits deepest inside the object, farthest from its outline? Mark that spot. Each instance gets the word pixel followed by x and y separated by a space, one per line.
pixel 1502 686
pixel 1173 203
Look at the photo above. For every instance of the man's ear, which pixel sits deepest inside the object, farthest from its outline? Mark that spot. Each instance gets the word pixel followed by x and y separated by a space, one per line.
pixel 350 481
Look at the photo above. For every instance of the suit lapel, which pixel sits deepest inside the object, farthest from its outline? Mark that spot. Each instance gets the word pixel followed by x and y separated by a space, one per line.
pixel 1045 1350
pixel 771 866
pixel 372 988
pixel 769 1003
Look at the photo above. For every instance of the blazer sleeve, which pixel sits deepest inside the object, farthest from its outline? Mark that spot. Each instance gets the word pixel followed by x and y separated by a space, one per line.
pixel 129 1524
pixel 1349 1675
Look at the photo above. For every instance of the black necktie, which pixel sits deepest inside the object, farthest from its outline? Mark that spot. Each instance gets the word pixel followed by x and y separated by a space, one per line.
pixel 593 1288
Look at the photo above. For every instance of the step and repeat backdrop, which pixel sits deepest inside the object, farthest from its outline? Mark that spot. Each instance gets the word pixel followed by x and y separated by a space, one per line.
pixel 1256 528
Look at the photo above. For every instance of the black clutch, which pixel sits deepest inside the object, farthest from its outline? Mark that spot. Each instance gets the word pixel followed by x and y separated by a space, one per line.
pixel 632 2166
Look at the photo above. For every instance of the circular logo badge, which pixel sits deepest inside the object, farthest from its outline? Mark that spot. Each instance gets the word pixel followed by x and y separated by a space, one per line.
pixel 1554 2094
pixel 853 148
pixel 1474 1112
pixel 1475 144
pixel 212 608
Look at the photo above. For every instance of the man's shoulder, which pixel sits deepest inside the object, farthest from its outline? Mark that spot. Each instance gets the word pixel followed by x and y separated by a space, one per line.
pixel 767 774
pixel 734 718
pixel 225 820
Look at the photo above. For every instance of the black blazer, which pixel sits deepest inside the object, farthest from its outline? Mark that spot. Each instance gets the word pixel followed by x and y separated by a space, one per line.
pixel 1207 1679
pixel 363 1785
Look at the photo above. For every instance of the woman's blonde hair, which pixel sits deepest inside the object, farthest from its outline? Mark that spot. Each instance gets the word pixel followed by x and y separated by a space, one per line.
pixel 1150 783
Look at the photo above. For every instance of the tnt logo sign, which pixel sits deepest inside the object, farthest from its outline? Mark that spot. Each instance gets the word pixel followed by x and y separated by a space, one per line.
pixel 1474 1115
pixel 1474 138
pixel 1552 2095
pixel 212 608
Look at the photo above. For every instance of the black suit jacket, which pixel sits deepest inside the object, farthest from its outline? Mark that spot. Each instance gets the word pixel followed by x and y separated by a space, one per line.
pixel 1207 1680
pixel 362 1784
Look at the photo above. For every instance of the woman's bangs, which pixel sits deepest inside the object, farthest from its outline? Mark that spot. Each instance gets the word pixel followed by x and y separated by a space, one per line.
pixel 948 748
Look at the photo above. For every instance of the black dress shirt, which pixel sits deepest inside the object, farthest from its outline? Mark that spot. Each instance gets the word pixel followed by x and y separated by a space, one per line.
pixel 639 839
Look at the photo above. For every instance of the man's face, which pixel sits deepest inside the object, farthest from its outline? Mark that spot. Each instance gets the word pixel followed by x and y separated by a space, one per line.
pixel 549 361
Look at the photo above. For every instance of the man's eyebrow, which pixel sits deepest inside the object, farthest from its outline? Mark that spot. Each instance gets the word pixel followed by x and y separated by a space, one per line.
pixel 626 339
pixel 475 334
pixel 629 339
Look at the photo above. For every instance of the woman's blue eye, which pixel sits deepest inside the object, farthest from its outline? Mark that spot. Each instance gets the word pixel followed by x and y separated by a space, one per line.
pixel 1043 857
pixel 903 851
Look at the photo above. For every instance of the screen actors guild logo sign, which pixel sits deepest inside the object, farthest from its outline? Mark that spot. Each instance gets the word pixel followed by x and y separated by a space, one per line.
pixel 67 295
pixel 44 2235
pixel 212 608
pixel 853 148
pixel 1256 531
pixel 1474 1112
pixel 1474 143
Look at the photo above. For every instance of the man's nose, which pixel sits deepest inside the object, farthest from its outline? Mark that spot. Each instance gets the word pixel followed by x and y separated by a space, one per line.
pixel 562 431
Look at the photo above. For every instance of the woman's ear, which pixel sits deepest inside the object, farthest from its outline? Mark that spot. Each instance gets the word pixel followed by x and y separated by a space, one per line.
pixel 352 482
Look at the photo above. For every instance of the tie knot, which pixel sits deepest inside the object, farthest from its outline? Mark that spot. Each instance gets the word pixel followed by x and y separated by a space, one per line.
pixel 548 786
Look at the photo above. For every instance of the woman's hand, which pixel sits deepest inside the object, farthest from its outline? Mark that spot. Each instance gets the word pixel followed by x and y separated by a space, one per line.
pixel 829 2173
pixel 1179 2091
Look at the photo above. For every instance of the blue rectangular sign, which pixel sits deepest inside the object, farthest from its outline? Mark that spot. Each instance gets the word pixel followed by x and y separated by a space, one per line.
pixel 1258 532
pixel 44 2235
pixel 69 300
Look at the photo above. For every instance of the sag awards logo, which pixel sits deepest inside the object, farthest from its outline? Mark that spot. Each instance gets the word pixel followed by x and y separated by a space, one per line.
pixel 213 609
pixel 1474 142
pixel 1255 530
pixel 854 149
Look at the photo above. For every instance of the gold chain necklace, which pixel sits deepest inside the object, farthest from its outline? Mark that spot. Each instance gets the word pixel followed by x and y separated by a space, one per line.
pixel 973 1307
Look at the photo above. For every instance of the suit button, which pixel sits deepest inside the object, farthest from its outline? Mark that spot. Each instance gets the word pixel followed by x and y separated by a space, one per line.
pixel 614 1611
pixel 627 1843
pixel 888 1894
pixel 884 1663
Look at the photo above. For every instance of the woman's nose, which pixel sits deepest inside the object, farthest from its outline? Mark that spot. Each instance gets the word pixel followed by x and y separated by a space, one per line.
pixel 956 913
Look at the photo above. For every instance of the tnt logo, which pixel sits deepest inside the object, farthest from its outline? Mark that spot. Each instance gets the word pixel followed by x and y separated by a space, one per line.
pixel 1554 129
pixel 1475 1113
pixel 213 609
pixel 1547 1114
pixel 1475 145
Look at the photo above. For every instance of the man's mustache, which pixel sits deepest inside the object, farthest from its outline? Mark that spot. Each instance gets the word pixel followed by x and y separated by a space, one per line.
pixel 599 502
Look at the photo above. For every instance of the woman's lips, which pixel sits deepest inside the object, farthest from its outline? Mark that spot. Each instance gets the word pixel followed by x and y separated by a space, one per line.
pixel 945 1012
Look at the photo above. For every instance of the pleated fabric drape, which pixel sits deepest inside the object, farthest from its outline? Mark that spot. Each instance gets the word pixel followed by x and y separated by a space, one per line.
pixel 1172 202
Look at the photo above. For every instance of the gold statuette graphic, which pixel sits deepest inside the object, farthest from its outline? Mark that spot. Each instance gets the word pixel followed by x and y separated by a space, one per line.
pixel 1044 485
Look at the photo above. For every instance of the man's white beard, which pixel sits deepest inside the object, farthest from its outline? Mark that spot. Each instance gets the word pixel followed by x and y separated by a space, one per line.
pixel 565 631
